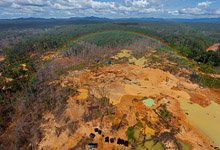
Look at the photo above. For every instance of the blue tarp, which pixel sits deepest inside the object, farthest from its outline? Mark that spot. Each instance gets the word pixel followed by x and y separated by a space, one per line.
pixel 107 62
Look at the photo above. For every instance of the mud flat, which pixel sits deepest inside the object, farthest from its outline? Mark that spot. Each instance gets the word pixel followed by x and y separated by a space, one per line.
pixel 205 119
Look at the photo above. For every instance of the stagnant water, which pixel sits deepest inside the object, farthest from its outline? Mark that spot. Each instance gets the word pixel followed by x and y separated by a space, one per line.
pixel 205 119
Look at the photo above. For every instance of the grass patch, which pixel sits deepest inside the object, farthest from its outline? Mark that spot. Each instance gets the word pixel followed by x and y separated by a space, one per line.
pixel 130 133
pixel 156 59
pixel 206 68
pixel 63 71
pixel 210 81
pixel 139 124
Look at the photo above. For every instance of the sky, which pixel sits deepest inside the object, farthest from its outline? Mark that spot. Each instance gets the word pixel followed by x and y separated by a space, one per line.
pixel 109 8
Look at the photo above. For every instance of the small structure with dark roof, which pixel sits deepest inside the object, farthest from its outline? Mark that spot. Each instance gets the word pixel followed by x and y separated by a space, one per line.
pixel 107 139
pixel 100 132
pixel 92 145
pixel 120 141
pixel 112 140
pixel 92 136
pixel 96 129
pixel 126 143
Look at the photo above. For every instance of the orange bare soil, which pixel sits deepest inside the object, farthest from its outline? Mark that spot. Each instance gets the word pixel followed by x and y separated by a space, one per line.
pixel 2 58
pixel 125 85
pixel 214 47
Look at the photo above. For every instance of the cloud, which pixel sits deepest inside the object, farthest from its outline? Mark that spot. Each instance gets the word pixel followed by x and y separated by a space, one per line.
pixel 137 3
pixel 192 11
pixel 85 7
pixel 204 4
pixel 217 12
pixel 110 8
pixel 173 12
pixel 201 9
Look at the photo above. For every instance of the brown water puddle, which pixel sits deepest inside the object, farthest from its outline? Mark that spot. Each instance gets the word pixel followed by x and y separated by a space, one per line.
pixel 206 119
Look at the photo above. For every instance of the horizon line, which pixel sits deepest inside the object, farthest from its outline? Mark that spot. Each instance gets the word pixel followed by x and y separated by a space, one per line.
pixel 80 17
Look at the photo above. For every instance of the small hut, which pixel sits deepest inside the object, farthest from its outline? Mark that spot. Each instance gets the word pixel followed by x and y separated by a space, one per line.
pixel 92 145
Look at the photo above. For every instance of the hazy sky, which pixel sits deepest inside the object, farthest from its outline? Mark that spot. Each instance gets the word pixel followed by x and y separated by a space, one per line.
pixel 109 8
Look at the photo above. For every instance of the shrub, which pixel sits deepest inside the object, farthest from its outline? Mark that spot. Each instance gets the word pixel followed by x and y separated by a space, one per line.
pixel 130 133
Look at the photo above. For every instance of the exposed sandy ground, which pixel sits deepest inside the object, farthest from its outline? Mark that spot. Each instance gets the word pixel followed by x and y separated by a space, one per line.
pixel 122 83
pixel 217 76
pixel 214 47
pixel 2 58
pixel 48 56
